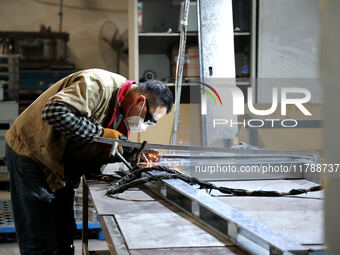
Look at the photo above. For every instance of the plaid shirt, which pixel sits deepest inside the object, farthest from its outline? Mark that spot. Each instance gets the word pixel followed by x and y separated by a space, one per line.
pixel 80 128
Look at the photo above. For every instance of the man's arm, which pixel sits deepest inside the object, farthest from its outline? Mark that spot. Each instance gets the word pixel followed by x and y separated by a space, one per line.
pixel 60 116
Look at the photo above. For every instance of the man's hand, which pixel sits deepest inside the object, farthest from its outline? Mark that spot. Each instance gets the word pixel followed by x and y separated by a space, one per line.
pixel 113 134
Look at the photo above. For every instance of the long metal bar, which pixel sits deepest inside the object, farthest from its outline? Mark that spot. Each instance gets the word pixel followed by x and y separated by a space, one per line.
pixel 201 65
pixel 113 236
pixel 179 67
pixel 253 51
pixel 226 151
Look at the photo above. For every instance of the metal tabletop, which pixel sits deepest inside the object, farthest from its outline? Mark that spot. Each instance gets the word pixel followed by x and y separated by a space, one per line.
pixel 138 222
pixel 173 217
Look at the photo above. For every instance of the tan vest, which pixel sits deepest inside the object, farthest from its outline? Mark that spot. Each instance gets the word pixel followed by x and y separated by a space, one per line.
pixel 90 93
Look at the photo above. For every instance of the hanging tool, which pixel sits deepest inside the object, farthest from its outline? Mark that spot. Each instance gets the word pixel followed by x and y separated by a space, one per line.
pixel 136 154
pixel 120 156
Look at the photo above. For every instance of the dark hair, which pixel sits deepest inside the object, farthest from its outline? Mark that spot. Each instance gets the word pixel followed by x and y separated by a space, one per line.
pixel 158 93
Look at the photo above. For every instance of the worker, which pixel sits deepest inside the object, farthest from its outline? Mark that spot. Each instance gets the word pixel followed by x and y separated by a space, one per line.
pixel 62 120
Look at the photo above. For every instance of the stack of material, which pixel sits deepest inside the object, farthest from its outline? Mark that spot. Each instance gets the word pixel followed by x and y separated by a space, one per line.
pixel 191 61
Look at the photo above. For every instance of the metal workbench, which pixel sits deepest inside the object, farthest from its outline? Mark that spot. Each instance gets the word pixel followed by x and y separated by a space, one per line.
pixel 173 217
pixel 138 222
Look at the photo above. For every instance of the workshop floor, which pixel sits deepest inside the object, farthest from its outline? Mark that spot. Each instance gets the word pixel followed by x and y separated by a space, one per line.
pixel 94 245
pixel 12 248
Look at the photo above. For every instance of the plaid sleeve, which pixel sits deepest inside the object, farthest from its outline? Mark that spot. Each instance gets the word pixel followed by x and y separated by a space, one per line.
pixel 73 126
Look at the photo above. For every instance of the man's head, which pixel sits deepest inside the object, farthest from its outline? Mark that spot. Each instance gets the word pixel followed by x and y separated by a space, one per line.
pixel 150 100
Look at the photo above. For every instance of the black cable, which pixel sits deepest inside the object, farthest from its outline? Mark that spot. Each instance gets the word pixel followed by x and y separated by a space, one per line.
pixel 135 179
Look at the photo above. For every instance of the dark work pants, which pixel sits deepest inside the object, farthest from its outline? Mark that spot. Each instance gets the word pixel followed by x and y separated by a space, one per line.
pixel 44 220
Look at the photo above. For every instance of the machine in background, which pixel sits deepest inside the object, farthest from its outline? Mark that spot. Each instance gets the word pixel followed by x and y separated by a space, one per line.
pixel 37 50
pixel 42 60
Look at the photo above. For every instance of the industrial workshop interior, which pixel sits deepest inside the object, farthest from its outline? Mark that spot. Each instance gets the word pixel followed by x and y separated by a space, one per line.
pixel 169 127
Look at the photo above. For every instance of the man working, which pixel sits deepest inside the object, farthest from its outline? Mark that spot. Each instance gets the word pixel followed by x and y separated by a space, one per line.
pixel 43 140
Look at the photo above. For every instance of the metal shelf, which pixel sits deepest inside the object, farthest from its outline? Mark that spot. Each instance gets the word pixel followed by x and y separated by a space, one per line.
pixel 239 82
pixel 184 84
pixel 151 34
pixel 241 33
pixel 243 82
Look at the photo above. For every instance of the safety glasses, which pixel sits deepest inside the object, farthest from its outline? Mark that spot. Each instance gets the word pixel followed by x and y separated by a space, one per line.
pixel 148 119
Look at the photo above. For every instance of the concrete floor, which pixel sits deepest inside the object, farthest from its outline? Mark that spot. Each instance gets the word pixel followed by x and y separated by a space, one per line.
pixel 94 244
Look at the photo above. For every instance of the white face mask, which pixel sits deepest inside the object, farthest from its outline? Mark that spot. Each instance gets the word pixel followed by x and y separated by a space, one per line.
pixel 136 123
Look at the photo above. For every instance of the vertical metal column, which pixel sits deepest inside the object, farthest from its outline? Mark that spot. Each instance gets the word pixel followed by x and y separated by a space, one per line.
pixel 253 51
pixel 133 40
pixel 201 64
pixel 329 73
pixel 217 61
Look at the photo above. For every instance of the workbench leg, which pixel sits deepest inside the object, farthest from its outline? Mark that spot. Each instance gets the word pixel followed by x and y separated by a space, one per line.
pixel 85 218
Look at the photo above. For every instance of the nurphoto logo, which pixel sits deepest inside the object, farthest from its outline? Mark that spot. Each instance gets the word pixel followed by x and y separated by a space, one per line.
pixel 288 96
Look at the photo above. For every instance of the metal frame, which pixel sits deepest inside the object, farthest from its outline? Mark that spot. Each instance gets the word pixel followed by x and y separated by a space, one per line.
pixel 246 232
pixel 222 219
pixel 113 236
